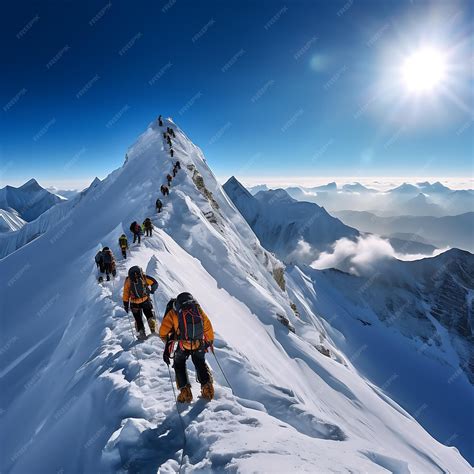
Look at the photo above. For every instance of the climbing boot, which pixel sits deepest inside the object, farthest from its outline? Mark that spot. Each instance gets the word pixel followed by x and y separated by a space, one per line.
pixel 185 396
pixel 141 335
pixel 152 324
pixel 207 391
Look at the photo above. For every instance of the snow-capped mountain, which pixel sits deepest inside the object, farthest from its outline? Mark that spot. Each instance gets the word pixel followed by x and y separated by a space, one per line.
pixel 29 200
pixel 357 188
pixel 420 205
pixel 10 221
pixel 295 231
pixel 437 187
pixel 421 199
pixel 255 189
pixel 417 318
pixel 79 395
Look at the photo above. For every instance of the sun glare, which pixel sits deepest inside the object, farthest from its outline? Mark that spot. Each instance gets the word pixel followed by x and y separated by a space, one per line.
pixel 424 70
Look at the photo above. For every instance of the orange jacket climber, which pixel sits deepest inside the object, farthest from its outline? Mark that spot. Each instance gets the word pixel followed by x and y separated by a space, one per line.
pixel 170 327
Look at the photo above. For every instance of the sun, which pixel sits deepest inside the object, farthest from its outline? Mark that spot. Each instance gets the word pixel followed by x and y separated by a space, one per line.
pixel 424 70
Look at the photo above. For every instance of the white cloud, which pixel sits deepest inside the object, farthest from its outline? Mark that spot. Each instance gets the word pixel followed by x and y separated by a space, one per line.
pixel 304 253
pixel 363 255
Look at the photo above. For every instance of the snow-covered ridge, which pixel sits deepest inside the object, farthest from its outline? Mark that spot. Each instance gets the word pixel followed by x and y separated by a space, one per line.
pixel 10 221
pixel 81 397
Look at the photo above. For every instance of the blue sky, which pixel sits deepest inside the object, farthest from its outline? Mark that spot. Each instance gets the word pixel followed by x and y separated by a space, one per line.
pixel 267 89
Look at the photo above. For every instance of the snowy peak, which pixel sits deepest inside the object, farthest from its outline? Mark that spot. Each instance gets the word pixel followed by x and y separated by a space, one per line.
pixel 259 187
pixel 357 188
pixel 234 187
pixel 274 195
pixel 31 185
pixel 29 200
pixel 436 187
pixel 330 187
pixel 293 230
pixel 405 188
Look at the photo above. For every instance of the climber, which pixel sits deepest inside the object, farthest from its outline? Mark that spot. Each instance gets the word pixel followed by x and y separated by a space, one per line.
pixel 123 244
pixel 148 226
pixel 109 262
pixel 169 178
pixel 165 135
pixel 168 139
pixel 177 165
pixel 136 296
pixel 158 205
pixel 99 261
pixel 171 152
pixel 136 230
pixel 165 190
pixel 160 121
pixel 186 324
pixel 175 171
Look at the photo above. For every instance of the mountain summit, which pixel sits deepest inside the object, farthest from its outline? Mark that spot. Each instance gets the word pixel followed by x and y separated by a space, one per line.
pixel 80 395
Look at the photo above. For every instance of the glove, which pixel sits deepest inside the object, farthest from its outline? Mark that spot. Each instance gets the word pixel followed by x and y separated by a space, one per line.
pixel 166 352
pixel 209 345
pixel 126 306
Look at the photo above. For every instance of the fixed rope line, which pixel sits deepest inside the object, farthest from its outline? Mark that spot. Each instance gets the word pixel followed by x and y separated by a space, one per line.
pixel 222 370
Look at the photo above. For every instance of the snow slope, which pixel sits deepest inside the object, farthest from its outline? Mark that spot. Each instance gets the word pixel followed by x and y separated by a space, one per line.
pixel 78 395
pixel 29 200
pixel 408 327
pixel 295 231
pixel 10 221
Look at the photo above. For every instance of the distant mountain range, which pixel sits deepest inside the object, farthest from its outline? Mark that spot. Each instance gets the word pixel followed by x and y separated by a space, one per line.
pixel 420 199
pixel 293 230
pixel 26 203
pixel 452 231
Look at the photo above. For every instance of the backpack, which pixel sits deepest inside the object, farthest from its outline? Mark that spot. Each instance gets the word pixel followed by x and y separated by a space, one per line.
pixel 107 256
pixel 190 321
pixel 132 226
pixel 138 284
pixel 123 242
pixel 98 257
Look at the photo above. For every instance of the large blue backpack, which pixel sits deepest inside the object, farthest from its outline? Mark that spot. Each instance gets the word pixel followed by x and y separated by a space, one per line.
pixel 190 321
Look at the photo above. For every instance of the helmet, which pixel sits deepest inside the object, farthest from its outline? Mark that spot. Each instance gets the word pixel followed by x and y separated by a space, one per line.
pixel 184 299
pixel 135 272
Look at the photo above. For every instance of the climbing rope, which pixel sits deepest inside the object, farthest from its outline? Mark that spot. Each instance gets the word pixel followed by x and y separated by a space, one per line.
pixel 180 418
pixel 222 370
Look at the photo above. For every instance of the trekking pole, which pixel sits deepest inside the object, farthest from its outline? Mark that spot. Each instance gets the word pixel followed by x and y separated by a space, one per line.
pixel 180 418
pixel 221 369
